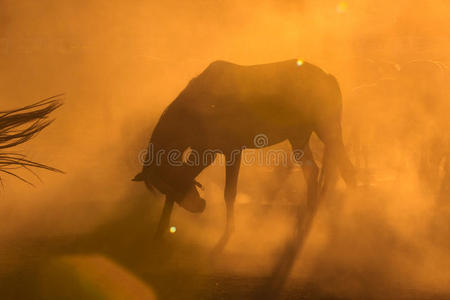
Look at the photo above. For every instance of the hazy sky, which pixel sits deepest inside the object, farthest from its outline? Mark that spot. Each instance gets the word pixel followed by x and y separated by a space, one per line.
pixel 121 62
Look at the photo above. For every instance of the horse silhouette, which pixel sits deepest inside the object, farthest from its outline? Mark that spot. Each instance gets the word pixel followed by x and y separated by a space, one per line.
pixel 223 109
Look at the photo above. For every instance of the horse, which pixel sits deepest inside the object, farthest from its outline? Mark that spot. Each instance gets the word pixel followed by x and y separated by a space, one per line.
pixel 224 110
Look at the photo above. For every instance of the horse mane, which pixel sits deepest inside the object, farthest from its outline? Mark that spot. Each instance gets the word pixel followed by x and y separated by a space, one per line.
pixel 18 126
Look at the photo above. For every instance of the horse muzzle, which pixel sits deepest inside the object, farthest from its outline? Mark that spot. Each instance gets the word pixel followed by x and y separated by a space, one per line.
pixel 192 202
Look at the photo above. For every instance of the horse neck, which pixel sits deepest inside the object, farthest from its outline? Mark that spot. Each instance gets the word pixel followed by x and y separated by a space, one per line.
pixel 178 127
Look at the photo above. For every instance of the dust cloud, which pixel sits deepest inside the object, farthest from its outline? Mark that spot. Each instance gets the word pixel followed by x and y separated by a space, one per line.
pixel 120 63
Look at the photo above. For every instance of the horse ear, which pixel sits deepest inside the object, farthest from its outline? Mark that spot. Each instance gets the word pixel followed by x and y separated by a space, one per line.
pixel 143 177
pixel 139 177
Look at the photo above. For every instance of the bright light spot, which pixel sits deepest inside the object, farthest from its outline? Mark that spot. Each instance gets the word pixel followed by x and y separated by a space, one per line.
pixel 172 229
pixel 342 7
pixel 299 62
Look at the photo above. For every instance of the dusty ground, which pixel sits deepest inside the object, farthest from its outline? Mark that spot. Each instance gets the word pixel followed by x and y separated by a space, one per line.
pixel 351 264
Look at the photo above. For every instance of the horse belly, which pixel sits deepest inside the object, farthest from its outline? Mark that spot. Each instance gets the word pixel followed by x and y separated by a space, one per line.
pixel 252 130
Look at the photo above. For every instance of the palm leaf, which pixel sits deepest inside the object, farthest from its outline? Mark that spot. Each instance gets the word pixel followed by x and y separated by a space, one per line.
pixel 20 125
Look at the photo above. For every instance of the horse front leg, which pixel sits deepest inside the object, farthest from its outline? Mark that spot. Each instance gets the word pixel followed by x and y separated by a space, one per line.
pixel 165 218
pixel 233 163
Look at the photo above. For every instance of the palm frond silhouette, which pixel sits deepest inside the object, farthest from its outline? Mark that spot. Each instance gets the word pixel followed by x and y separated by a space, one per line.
pixel 20 125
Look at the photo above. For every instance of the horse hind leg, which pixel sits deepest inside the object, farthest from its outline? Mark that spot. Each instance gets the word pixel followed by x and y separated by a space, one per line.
pixel 311 175
pixel 335 156
pixel 293 247
pixel 309 167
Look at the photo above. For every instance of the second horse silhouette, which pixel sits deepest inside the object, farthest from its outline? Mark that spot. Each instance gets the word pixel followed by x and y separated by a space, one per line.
pixel 226 109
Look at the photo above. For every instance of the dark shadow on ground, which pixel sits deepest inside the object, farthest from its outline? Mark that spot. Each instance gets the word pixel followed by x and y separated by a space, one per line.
pixel 174 269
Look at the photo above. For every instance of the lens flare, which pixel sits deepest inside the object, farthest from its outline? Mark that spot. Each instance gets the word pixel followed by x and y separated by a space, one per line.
pixel 172 229
pixel 341 7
